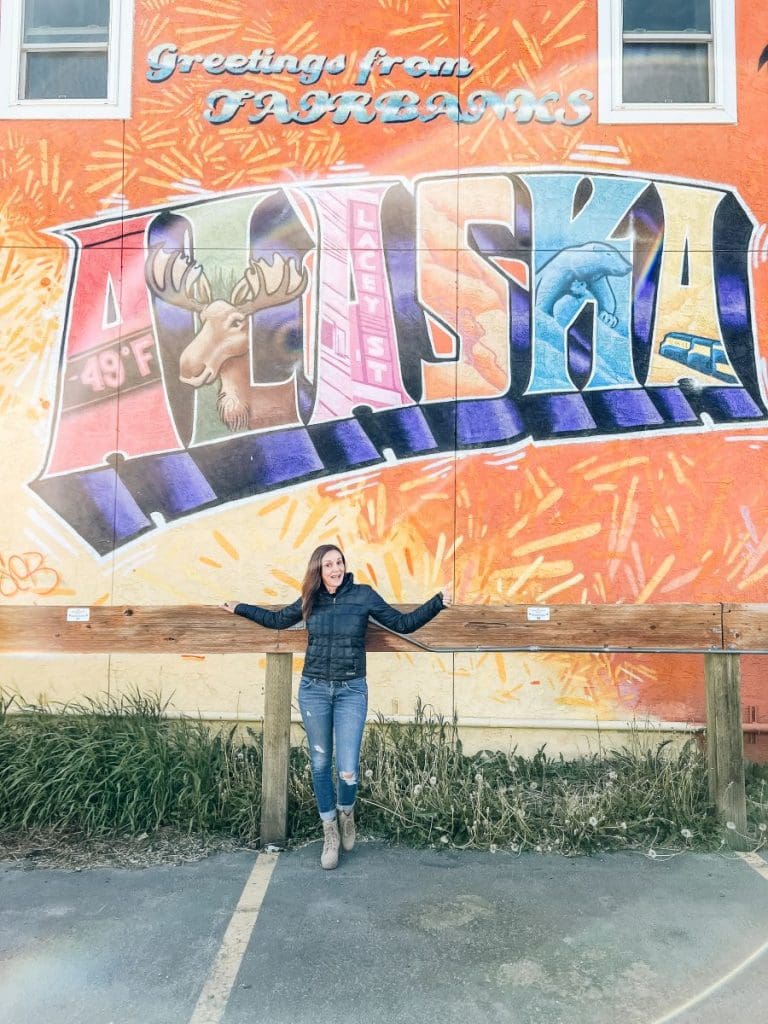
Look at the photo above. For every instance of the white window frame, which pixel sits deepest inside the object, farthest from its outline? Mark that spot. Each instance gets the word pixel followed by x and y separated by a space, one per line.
pixel 611 108
pixel 116 105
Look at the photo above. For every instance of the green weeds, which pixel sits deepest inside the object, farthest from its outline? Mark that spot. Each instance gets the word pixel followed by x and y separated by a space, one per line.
pixel 123 767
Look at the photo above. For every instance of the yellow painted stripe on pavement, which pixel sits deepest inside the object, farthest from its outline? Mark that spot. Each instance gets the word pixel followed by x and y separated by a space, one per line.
pixel 756 861
pixel 218 986
pixel 761 867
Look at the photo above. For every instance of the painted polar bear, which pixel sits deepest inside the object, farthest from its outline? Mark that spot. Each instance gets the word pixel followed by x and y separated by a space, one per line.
pixel 582 271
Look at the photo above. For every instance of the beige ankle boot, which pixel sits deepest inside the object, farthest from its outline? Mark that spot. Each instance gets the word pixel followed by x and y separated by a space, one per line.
pixel 347 824
pixel 329 858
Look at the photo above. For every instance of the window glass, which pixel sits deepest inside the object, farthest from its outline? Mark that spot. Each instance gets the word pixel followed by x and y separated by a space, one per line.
pixel 66 21
pixel 666 73
pixel 667 16
pixel 66 76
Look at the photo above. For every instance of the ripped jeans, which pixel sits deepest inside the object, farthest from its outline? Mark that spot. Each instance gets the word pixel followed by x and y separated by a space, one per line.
pixel 334 714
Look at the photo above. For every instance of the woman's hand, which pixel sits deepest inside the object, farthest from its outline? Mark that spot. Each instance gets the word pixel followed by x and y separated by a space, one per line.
pixel 447 596
pixel 229 606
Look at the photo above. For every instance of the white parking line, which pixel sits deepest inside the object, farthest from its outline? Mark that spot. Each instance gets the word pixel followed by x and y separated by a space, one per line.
pixel 761 867
pixel 756 861
pixel 218 986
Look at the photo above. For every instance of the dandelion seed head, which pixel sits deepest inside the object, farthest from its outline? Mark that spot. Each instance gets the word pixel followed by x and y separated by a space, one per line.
pixel 593 821
pixel 538 849
pixel 534 785
pixel 514 847
pixel 731 825
pixel 478 777
pixel 493 847
pixel 416 790
pixel 368 773
pixel 761 826
pixel 433 780
pixel 613 774
pixel 443 839
pixel 623 826
pixel 652 854
pixel 686 833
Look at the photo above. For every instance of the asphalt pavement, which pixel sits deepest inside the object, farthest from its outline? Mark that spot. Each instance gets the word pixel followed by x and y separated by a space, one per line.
pixel 392 936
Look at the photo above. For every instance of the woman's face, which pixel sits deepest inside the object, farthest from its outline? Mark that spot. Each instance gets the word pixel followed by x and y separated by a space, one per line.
pixel 332 570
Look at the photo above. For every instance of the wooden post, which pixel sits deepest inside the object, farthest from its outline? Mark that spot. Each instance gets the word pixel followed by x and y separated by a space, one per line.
pixel 725 743
pixel 277 745
pixel 711 733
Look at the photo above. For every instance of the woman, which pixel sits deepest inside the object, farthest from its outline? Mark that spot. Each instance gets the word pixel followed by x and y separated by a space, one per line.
pixel 333 694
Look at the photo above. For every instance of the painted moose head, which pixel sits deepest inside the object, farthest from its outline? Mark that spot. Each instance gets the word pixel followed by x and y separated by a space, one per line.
pixel 221 347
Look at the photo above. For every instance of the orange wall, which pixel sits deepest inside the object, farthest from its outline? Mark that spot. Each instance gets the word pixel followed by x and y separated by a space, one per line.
pixel 671 509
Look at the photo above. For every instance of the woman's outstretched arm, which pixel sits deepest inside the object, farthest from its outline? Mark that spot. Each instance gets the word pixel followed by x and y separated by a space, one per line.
pixel 405 622
pixel 282 619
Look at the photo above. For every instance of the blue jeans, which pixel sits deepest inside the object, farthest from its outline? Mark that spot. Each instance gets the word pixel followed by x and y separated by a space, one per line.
pixel 334 712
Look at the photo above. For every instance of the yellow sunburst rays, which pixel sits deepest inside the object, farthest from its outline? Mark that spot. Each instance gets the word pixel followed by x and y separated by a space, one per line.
pixel 629 566
pixel 538 53
pixel 17 153
pixel 153 27
pixel 406 551
pixel 669 530
pixel 527 559
pixel 555 34
pixel 755 566
pixel 624 513
pixel 221 554
pixel 567 681
pixel 53 181
pixel 432 29
pixel 118 162
pixel 167 168
pixel 746 552
pixel 39 189
pixel 146 7
pixel 315 150
pixel 710 520
pixel 225 546
pixel 648 581
pixel 31 286
pixel 251 156
pixel 594 685
pixel 397 6
pixel 561 540
pixel 172 99
pixel 208 24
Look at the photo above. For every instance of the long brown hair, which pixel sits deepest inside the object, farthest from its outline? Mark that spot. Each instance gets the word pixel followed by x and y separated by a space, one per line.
pixel 313 577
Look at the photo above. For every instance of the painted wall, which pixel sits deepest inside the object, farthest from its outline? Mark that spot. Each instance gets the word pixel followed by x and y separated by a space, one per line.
pixel 427 308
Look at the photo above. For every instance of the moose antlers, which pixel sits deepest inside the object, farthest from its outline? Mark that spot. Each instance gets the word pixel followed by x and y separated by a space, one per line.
pixel 179 280
pixel 262 285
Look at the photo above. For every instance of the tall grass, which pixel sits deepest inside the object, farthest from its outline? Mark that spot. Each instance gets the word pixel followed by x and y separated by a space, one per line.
pixel 120 766
pixel 106 767
pixel 418 787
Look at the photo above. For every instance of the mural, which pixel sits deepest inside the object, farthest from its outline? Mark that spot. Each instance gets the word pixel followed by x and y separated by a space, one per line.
pixel 386 282
pixel 598 305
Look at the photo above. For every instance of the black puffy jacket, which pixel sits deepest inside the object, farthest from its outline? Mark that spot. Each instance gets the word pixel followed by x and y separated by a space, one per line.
pixel 337 625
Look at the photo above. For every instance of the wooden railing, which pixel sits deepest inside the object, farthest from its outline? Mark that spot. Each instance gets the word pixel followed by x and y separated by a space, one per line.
pixel 719 632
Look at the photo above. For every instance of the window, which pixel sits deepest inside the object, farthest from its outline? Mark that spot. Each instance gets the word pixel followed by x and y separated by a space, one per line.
pixel 65 58
pixel 666 61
